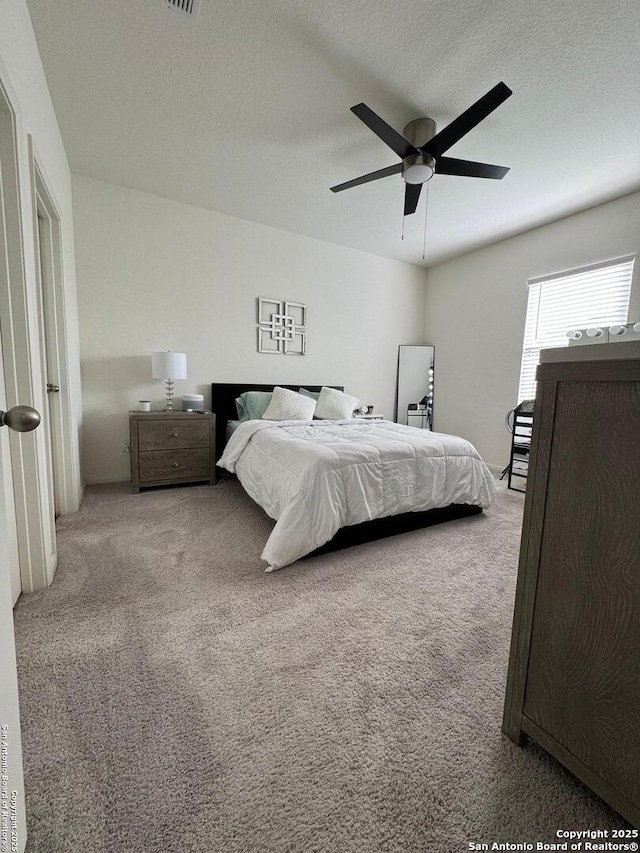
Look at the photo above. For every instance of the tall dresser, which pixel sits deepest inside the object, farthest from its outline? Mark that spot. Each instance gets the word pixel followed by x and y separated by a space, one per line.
pixel 574 670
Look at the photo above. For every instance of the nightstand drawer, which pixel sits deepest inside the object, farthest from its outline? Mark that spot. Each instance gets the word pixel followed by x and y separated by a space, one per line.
pixel 174 464
pixel 167 434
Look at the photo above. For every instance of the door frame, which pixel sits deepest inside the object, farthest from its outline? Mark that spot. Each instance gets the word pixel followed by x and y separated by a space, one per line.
pixel 56 358
pixel 36 535
pixel 9 557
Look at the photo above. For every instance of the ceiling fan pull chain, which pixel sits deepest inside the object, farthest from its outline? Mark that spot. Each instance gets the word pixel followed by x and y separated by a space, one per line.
pixel 426 208
pixel 403 226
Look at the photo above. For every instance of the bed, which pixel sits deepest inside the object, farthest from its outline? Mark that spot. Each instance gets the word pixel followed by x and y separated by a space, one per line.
pixel 321 480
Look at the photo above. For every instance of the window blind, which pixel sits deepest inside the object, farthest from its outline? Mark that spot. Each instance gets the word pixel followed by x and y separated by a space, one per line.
pixel 597 295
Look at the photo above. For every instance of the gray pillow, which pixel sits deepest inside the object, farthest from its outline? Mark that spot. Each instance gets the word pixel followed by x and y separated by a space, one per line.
pixel 313 394
pixel 252 405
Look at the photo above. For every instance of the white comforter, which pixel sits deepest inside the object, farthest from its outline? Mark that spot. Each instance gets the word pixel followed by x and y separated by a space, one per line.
pixel 315 477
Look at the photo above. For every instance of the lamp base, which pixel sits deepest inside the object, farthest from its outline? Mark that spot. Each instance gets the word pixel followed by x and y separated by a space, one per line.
pixel 169 395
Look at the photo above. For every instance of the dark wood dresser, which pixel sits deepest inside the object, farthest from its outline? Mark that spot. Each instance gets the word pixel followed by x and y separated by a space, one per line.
pixel 171 447
pixel 574 670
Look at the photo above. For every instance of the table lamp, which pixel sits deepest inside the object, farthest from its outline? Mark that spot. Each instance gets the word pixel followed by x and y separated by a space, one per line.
pixel 169 366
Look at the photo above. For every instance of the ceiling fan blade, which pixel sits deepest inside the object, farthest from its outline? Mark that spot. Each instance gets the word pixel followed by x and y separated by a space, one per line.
pixel 411 196
pixel 372 176
pixel 469 168
pixel 386 133
pixel 465 122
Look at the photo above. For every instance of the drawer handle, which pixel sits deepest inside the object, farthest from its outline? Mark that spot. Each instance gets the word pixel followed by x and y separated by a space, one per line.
pixel 176 434
pixel 176 464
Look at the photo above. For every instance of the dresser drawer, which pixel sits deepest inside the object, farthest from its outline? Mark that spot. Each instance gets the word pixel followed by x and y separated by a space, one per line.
pixel 174 464
pixel 169 434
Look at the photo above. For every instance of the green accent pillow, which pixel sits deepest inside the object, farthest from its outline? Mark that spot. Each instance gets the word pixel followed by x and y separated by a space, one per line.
pixel 313 394
pixel 252 405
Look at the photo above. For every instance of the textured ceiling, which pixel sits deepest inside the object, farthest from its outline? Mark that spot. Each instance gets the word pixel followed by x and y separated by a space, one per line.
pixel 246 110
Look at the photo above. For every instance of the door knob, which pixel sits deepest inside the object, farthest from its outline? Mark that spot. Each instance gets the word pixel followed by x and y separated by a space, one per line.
pixel 52 389
pixel 20 418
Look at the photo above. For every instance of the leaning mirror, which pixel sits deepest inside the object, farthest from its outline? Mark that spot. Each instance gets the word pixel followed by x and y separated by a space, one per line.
pixel 414 396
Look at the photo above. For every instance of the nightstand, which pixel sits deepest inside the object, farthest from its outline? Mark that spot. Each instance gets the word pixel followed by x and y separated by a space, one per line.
pixel 375 417
pixel 171 447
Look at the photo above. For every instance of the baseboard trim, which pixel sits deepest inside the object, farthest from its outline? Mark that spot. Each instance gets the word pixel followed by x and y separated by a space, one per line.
pixel 103 481
pixel 496 470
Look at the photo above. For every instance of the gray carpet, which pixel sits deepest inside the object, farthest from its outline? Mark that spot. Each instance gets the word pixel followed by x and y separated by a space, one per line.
pixel 176 698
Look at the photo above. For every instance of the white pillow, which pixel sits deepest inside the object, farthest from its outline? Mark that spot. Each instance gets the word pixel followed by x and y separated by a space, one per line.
pixel 334 405
pixel 288 405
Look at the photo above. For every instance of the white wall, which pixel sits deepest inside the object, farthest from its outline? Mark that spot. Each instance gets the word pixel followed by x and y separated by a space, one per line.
pixel 475 313
pixel 156 274
pixel 23 77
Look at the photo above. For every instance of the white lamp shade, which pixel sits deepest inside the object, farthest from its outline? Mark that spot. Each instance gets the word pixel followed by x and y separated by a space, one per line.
pixel 169 365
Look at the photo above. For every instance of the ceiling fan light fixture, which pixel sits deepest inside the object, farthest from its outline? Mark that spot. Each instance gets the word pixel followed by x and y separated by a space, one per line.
pixel 418 169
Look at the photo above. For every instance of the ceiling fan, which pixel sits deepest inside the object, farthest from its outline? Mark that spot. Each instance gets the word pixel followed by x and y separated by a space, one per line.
pixel 421 148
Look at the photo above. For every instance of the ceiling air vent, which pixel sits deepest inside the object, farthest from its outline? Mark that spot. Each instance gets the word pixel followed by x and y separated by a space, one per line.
pixel 190 8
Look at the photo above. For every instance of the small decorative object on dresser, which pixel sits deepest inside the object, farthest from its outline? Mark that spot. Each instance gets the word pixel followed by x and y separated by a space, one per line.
pixel 193 402
pixel 171 447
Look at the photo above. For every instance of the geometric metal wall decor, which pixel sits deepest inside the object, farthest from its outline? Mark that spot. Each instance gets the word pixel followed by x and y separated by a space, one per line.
pixel 282 327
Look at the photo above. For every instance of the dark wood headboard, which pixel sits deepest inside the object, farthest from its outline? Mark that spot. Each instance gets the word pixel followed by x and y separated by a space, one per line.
pixel 223 404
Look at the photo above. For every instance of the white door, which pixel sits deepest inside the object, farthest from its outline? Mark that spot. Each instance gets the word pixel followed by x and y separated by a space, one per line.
pixel 11 780
pixel 11 796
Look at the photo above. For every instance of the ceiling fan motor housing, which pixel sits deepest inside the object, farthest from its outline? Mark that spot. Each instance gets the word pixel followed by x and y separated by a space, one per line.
pixel 419 131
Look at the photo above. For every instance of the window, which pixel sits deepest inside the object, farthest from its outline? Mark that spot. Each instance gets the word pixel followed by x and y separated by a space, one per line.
pixel 597 295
